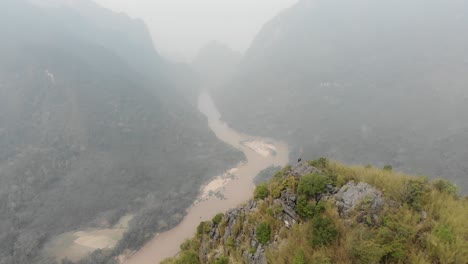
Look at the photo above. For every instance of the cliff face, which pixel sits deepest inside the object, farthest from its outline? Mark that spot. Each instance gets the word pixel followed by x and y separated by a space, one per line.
pixel 372 82
pixel 91 129
pixel 330 213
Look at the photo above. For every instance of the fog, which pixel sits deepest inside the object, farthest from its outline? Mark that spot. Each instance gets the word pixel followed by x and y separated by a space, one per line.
pixel 118 116
pixel 181 27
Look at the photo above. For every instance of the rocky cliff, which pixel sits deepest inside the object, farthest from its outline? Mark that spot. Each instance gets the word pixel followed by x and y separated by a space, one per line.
pixel 324 212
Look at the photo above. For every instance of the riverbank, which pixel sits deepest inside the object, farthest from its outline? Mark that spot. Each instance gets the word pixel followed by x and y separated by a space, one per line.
pixel 227 191
pixel 76 245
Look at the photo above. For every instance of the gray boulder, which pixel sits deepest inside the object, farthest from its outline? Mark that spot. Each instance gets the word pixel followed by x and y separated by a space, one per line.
pixel 258 257
pixel 304 169
pixel 360 197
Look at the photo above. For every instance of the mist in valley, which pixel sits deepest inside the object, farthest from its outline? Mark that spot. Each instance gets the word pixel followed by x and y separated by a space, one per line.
pixel 125 123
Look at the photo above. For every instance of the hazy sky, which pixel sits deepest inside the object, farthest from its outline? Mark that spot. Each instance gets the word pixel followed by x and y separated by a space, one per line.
pixel 181 27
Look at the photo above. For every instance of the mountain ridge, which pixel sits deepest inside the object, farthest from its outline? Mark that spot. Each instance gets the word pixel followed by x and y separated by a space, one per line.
pixel 379 83
pixel 326 212
pixel 92 129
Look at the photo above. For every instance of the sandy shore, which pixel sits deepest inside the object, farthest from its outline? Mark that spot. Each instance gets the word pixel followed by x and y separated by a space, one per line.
pixel 260 147
pixel 78 244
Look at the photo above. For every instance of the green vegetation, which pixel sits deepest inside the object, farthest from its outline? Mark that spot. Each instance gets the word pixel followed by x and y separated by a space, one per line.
pixel 320 163
pixel 230 242
pixel 445 186
pixel 217 219
pixel 416 194
pixel 307 210
pixel 300 258
pixel 263 233
pixel 421 222
pixel 188 258
pixel 261 192
pixel 388 167
pixel 323 231
pixel 312 185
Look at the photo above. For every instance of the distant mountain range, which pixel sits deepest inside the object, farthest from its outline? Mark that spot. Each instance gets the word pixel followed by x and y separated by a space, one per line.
pixel 92 128
pixel 380 82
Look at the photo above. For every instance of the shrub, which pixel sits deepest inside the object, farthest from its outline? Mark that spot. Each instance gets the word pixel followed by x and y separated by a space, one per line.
pixel 300 258
pixel 397 230
pixel 320 163
pixel 416 194
pixel 307 210
pixel 261 192
pixel 263 233
pixel 200 228
pixel 279 185
pixel 276 189
pixel 444 186
pixel 323 231
pixel 186 245
pixel 203 227
pixel 188 258
pixel 312 185
pixel 217 219
pixel 230 242
pixel 388 167
pixel 367 251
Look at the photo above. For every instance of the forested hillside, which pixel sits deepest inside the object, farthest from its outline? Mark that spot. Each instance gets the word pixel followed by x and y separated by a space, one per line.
pixel 380 82
pixel 325 212
pixel 91 129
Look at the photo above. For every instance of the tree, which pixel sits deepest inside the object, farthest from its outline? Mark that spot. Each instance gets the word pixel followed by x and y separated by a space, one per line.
pixel 261 192
pixel 313 185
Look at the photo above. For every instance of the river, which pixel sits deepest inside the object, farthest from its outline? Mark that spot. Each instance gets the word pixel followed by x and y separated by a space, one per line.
pixel 234 187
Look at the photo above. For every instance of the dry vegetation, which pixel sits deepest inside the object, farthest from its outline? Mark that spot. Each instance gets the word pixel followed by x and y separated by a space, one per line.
pixel 422 222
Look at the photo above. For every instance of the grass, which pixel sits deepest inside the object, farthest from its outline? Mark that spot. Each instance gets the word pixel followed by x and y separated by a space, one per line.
pixel 422 222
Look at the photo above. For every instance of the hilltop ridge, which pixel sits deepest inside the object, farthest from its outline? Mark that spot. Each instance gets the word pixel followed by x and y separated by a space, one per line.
pixel 326 212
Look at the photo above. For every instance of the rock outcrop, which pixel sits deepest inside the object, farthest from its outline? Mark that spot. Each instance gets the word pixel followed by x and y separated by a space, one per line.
pixel 353 199
pixel 360 197
pixel 303 169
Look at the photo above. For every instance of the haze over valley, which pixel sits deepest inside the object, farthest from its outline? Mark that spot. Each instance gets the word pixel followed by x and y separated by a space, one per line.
pixel 113 153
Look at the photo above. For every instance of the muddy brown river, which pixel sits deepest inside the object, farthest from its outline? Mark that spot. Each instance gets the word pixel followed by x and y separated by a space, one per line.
pixel 236 186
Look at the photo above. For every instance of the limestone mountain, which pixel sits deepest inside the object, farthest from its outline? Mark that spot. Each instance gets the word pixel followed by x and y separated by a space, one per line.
pixel 91 129
pixel 360 81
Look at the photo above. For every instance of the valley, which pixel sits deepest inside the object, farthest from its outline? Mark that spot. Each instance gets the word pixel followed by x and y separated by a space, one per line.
pixel 229 191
